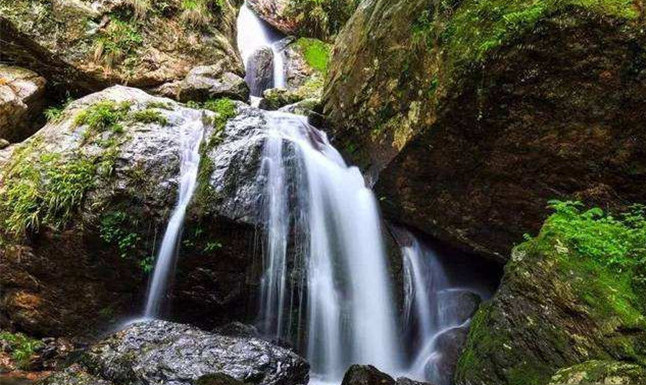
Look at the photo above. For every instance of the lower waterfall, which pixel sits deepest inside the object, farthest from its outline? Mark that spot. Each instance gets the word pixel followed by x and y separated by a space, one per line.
pixel 320 209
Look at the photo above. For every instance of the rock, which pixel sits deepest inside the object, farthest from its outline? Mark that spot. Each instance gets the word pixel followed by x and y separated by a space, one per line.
pixel 601 372
pixel 207 82
pixel 499 124
pixel 366 375
pixel 22 98
pixel 369 375
pixel 178 354
pixel 217 379
pixel 458 305
pixel 276 98
pixel 322 19
pixel 305 107
pixel 74 375
pixel 441 366
pixel 260 71
pixel 84 46
pixel 85 266
pixel 558 306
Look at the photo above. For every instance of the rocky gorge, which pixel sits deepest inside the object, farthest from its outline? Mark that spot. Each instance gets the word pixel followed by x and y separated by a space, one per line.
pixel 503 242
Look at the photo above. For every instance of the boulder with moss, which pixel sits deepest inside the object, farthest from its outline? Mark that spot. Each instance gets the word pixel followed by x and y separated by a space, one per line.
pixel 305 18
pixel 471 114
pixel 601 372
pixel 85 203
pixel 574 293
pixel 86 45
pixel 22 98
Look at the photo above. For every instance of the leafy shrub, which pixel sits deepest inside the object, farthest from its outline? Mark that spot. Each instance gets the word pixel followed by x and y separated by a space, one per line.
pixel 22 347
pixel 316 52
pixel 55 113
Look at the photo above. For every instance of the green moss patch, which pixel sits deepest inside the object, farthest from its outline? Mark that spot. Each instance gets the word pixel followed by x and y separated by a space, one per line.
pixel 316 53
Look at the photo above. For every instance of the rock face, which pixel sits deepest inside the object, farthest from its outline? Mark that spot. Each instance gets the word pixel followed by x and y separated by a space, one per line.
pixel 22 96
pixel 320 19
pixel 86 45
pixel 85 204
pixel 561 304
pixel 207 82
pixel 260 71
pixel 160 352
pixel 483 125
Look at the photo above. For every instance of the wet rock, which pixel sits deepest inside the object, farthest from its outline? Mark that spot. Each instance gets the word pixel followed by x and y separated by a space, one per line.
pixel 72 273
pixel 74 375
pixel 448 346
pixel 22 96
pixel 207 82
pixel 260 71
pixel 366 375
pixel 276 98
pixel 458 305
pixel 369 375
pixel 160 352
pixel 601 372
pixel 83 46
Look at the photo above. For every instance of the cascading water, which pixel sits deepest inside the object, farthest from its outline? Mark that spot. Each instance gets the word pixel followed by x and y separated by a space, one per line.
pixel 434 308
pixel 350 314
pixel 253 35
pixel 191 131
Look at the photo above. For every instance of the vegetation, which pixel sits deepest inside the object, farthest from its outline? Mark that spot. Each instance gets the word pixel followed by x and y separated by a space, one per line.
pixel 22 348
pixel 199 13
pixel 116 42
pixel 116 229
pixel 316 53
pixel 321 18
pixel 105 115
pixel 149 116
pixel 55 113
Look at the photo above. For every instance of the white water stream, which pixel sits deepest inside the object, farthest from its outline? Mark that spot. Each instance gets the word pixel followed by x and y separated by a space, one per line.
pixel 191 131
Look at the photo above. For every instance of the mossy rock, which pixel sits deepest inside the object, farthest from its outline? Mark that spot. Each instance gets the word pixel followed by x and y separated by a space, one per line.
pixel 570 295
pixel 601 372
pixel 85 46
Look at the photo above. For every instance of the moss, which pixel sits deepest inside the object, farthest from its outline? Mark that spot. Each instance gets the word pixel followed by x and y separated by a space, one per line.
pixel 316 53
pixel 602 372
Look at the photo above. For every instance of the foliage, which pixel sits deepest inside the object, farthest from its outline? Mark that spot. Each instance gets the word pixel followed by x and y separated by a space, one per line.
pixel 44 191
pixel 22 347
pixel 116 229
pixel 619 243
pixel 149 116
pixel 140 8
pixel 103 116
pixel 55 113
pixel 321 18
pixel 198 13
pixel 117 41
pixel 316 53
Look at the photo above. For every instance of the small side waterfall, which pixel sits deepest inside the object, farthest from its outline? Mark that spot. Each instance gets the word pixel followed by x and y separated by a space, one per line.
pixel 191 131
pixel 437 311
pixel 350 314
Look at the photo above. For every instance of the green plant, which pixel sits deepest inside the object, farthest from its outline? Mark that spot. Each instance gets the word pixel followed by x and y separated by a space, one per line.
pixel 117 41
pixel 316 53
pixel 212 246
pixel 149 116
pixel 196 13
pixel 22 347
pixel 55 113
pixel 115 230
pixel 103 116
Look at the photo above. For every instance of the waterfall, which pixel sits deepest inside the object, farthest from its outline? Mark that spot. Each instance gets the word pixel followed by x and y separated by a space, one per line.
pixel 435 310
pixel 253 35
pixel 191 132
pixel 350 313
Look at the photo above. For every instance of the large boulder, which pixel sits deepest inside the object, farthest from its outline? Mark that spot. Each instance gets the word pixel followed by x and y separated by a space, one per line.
pixel 85 203
pixel 85 45
pixel 472 115
pixel 369 375
pixel 22 98
pixel 601 372
pixel 160 352
pixel 568 296
pixel 317 19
